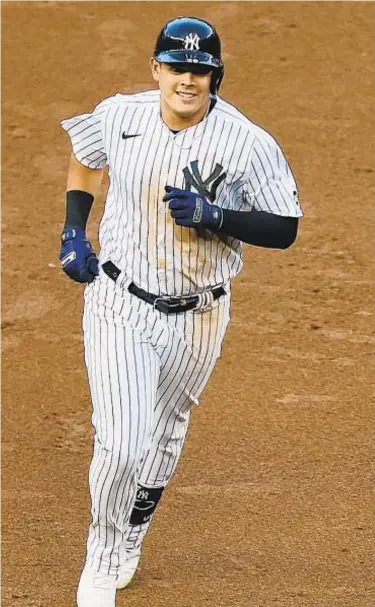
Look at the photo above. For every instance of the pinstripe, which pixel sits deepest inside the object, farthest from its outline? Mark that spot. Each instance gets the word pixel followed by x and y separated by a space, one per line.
pixel 97 461
pixel 122 483
pixel 210 236
pixel 97 390
pixel 76 133
pixel 147 222
pixel 91 363
pixel 215 238
pixel 122 215
pixel 108 227
pixel 101 440
pixel 114 378
pixel 91 136
pixel 134 177
pixel 264 171
pixel 101 482
pixel 218 257
pixel 177 371
pixel 195 266
pixel 160 195
pixel 160 468
pixel 175 227
pixel 128 485
pixel 127 211
pixel 166 464
pixel 145 459
pixel 101 426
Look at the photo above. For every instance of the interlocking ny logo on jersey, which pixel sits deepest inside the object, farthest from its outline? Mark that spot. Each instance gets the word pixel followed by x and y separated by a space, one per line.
pixel 192 42
pixel 194 178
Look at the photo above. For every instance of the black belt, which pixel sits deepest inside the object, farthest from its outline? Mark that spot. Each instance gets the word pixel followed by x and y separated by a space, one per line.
pixel 168 305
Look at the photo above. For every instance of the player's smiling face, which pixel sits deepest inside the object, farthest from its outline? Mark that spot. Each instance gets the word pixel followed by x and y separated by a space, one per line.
pixel 184 94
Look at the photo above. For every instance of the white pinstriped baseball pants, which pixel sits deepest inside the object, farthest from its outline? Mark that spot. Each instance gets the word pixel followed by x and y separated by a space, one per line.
pixel 145 371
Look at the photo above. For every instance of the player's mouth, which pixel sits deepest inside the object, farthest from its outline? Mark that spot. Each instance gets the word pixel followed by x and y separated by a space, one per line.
pixel 186 96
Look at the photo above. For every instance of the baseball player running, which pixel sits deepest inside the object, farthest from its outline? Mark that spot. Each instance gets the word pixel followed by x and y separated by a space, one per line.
pixel 191 179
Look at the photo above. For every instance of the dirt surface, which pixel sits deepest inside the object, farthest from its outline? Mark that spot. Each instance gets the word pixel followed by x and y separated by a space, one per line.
pixel 271 503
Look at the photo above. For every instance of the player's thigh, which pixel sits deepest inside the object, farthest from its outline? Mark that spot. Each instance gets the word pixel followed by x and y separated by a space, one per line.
pixel 193 350
pixel 185 371
pixel 175 398
pixel 123 372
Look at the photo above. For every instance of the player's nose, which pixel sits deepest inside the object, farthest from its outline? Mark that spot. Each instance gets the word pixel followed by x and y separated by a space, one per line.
pixel 187 78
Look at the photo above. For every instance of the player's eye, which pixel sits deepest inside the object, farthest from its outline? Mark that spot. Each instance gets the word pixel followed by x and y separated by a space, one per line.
pixel 178 70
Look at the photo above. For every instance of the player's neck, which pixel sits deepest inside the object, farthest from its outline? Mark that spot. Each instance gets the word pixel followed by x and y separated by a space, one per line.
pixel 176 122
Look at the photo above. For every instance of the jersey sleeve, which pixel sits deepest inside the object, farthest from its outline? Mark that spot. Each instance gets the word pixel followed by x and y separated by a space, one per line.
pixel 271 184
pixel 86 133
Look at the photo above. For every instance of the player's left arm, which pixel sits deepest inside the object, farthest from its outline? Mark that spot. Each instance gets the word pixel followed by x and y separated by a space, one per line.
pixel 272 194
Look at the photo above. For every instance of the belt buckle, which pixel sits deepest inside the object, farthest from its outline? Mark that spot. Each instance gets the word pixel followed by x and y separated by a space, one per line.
pixel 156 300
pixel 161 305
pixel 166 304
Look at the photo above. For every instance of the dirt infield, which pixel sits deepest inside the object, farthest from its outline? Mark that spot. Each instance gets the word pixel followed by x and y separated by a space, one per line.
pixel 271 502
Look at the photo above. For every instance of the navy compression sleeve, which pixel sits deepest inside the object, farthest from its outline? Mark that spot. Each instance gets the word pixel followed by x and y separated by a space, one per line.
pixel 260 229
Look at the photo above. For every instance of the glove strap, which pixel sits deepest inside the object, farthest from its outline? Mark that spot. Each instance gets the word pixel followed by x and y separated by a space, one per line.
pixel 71 233
pixel 218 215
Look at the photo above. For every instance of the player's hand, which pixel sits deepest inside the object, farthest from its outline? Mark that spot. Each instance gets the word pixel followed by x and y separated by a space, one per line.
pixel 77 257
pixel 192 210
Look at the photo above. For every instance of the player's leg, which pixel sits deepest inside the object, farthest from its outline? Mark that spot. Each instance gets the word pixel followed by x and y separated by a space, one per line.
pixel 151 483
pixel 123 373
pixel 185 370
pixel 148 496
pixel 163 454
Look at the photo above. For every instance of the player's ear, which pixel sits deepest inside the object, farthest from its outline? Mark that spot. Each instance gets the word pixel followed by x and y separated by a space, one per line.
pixel 155 69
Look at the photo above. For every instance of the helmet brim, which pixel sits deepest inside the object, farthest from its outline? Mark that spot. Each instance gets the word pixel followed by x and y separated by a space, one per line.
pixel 198 57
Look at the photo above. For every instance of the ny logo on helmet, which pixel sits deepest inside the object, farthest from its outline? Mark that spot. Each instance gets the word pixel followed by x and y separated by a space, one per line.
pixel 192 42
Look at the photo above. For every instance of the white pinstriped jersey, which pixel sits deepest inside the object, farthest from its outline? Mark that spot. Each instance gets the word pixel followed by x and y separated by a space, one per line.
pixel 237 164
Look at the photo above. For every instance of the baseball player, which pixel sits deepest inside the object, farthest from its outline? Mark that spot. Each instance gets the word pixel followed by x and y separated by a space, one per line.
pixel 190 179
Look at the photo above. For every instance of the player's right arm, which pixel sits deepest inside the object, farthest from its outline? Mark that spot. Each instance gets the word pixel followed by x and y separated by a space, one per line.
pixel 80 177
pixel 78 259
pixel 83 185
pixel 85 173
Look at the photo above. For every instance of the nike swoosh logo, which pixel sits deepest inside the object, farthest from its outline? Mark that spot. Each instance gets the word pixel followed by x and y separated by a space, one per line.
pixel 125 136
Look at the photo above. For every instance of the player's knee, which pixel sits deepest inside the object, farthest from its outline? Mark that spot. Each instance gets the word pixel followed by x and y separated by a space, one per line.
pixel 125 456
pixel 129 459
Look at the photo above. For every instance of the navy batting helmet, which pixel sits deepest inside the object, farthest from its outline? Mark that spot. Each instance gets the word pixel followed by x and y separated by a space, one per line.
pixel 188 40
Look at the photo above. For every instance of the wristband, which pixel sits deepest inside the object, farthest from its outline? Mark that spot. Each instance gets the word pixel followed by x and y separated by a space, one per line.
pixel 78 207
